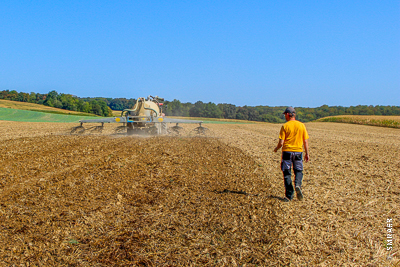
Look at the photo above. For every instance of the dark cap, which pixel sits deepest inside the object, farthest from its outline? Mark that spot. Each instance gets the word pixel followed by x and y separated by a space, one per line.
pixel 289 110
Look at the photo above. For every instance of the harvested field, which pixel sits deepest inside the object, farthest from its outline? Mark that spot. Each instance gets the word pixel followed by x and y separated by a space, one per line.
pixel 103 200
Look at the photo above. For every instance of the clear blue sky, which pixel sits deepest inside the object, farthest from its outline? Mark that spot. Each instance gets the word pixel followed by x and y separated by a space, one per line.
pixel 276 53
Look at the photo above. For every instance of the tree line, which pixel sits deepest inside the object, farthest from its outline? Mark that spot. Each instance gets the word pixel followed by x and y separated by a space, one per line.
pixel 270 114
pixel 63 101
pixel 103 107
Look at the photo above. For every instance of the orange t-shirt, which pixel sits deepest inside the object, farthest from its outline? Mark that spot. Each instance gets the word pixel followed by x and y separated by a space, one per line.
pixel 293 133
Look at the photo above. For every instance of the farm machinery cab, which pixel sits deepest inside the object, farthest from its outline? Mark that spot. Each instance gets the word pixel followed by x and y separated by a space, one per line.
pixel 145 118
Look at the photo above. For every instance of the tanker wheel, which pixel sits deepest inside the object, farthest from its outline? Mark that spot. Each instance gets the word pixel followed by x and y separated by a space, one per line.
pixel 164 128
pixel 152 130
pixel 130 130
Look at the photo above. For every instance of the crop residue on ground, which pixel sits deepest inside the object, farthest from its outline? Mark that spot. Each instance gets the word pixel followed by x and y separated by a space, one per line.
pixel 106 199
pixel 90 200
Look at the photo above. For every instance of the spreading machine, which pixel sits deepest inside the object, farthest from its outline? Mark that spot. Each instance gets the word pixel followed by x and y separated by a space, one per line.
pixel 145 118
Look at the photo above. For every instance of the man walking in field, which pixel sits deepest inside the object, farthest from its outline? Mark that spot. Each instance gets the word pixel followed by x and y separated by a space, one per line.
pixel 292 137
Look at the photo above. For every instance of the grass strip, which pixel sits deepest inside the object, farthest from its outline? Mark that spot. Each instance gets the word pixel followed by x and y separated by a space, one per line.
pixel 8 114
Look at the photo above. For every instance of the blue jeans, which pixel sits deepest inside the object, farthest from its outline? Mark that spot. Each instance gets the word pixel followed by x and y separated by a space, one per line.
pixel 289 158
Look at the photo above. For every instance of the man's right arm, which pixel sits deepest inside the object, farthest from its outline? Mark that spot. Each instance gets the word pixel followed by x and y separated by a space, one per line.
pixel 307 155
pixel 280 144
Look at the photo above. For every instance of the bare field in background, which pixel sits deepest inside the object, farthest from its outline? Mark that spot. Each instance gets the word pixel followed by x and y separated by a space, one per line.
pixel 103 199
pixel 117 113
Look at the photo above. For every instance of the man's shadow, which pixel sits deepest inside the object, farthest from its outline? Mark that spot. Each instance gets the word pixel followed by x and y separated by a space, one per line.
pixel 245 193
pixel 275 197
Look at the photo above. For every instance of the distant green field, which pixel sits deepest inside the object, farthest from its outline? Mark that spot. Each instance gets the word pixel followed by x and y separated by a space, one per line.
pixel 8 114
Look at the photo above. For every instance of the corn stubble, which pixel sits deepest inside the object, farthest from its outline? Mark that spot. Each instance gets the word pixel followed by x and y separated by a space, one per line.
pixel 382 121
pixel 98 200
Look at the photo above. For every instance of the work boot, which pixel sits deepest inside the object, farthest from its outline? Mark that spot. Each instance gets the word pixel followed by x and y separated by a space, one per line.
pixel 299 193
